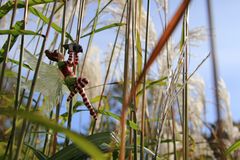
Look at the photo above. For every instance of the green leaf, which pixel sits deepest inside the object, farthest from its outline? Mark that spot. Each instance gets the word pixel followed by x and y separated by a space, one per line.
pixel 19 32
pixel 81 142
pixel 4 9
pixel 72 152
pixel 18 25
pixel 117 117
pixel 93 100
pixel 37 153
pixel 17 63
pixel 151 84
pixel 46 20
pixel 104 28
pixel 233 147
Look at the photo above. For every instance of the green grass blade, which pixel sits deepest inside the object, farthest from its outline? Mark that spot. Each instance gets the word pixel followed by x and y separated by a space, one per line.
pixel 233 147
pixel 104 28
pixel 17 63
pixel 46 20
pixel 37 153
pixel 72 152
pixel 117 117
pixel 4 9
pixel 82 143
pixel 19 32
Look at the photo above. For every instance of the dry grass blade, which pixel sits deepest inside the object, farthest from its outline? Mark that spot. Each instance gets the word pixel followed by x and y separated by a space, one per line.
pixel 170 28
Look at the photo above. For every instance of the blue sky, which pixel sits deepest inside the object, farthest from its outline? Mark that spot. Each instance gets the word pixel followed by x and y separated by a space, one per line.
pixel 227 35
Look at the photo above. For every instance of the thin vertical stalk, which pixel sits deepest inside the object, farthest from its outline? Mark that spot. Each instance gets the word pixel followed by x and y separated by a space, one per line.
pixel 24 125
pixel 185 88
pixel 165 19
pixel 173 134
pixel 80 20
pixel 47 135
pixel 125 84
pixel 133 133
pixel 12 137
pixel 215 78
pixel 69 121
pixel 135 30
pixel 144 86
pixel 63 26
pixel 8 45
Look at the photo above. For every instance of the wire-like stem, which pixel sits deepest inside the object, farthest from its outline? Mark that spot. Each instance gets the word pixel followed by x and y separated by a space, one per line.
pixel 185 88
pixel 24 125
pixel 144 86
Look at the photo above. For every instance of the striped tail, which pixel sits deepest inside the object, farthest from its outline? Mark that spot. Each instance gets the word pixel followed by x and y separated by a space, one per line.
pixel 87 103
pixel 75 59
pixel 70 58
pixel 85 99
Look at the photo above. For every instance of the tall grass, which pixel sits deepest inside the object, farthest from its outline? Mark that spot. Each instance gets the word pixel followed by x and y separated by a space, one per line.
pixel 149 104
